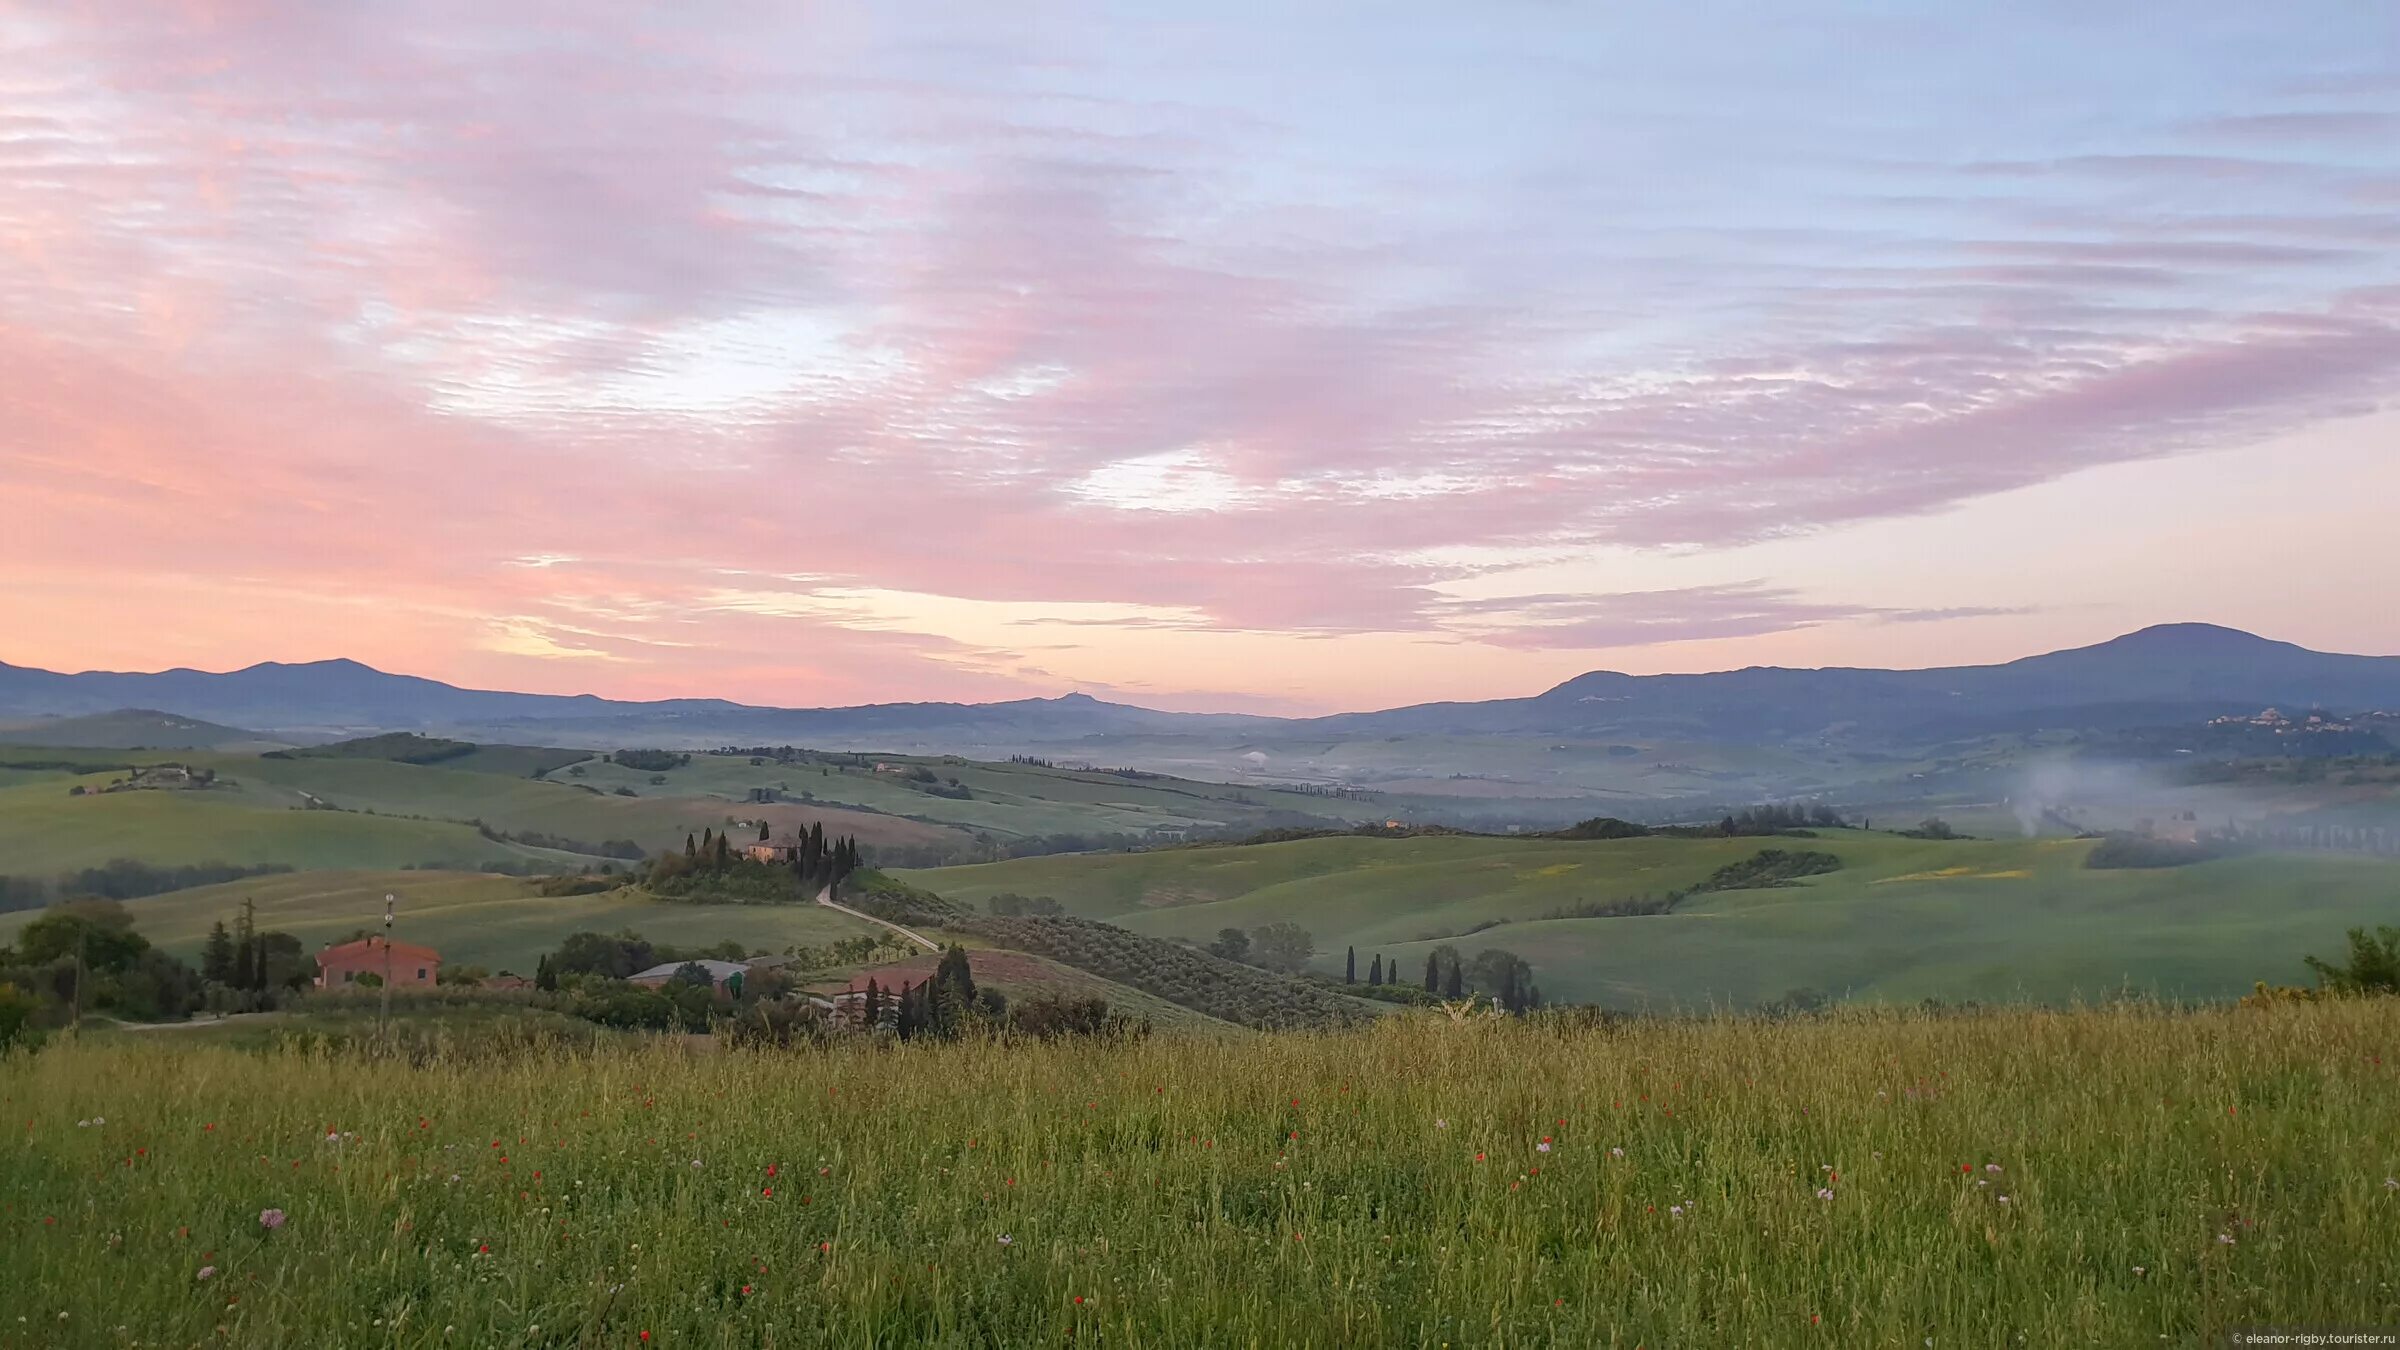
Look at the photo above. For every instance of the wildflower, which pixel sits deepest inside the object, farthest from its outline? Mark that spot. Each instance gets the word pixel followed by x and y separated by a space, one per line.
pixel 1479 1157
pixel 768 1193
pixel 270 1219
pixel 1441 1124
pixel 1676 1210
pixel 2004 1199
pixel 1616 1153
pixel 206 1272
pixel 1007 1241
pixel 1991 1167
pixel 2391 1183
pixel 2225 1238
pixel 1542 1147
pixel 1825 1193
pixel 2141 1270
pixel 695 1164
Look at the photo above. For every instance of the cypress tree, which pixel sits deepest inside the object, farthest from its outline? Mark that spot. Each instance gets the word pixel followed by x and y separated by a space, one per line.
pixel 216 958
pixel 764 833
pixel 1375 971
pixel 545 974
pixel 1350 965
pixel 246 963
pixel 1454 984
pixel 875 1004
pixel 1433 974
pixel 691 848
pixel 724 854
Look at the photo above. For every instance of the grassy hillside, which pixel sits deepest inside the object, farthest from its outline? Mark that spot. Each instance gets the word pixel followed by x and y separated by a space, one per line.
pixel 44 831
pixel 135 727
pixel 1903 920
pixel 1006 800
pixel 495 922
pixel 2119 1178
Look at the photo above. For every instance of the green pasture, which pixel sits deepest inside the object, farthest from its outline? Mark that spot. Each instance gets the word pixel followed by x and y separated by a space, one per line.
pixel 2125 1177
pixel 471 918
pixel 1904 920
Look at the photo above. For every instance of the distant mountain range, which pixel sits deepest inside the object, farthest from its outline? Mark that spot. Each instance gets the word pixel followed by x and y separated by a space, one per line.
pixel 2159 675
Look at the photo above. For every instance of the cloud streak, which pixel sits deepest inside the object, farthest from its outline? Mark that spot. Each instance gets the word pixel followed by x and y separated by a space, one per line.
pixel 535 323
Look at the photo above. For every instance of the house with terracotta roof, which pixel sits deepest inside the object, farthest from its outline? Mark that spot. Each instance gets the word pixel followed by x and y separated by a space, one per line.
pixel 399 964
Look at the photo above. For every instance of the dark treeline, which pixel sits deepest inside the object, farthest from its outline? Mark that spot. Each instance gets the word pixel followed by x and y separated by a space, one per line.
pixel 123 879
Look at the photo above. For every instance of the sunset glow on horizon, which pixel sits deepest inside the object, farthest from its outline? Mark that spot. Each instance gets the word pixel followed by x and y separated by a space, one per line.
pixel 1196 357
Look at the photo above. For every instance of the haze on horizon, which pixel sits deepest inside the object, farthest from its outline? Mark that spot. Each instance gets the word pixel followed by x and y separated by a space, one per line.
pixel 1195 356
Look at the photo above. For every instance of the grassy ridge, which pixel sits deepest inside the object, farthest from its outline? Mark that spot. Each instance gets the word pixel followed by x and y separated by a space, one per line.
pixel 1903 919
pixel 1008 801
pixel 1840 1183
pixel 495 922
pixel 43 831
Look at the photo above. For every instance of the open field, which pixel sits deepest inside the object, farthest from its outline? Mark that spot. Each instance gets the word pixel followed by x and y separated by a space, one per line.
pixel 1903 920
pixel 473 919
pixel 1009 800
pixel 43 831
pixel 2098 1178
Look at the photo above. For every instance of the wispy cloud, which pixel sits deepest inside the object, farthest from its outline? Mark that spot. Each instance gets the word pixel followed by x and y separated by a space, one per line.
pixel 561 330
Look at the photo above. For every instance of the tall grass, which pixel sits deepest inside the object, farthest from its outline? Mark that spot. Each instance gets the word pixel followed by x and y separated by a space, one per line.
pixel 2079 1178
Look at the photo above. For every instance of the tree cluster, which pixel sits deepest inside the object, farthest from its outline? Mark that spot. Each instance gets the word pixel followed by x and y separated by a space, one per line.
pixel 84 955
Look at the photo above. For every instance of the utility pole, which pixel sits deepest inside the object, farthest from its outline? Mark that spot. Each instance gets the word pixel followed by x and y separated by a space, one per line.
pixel 383 1020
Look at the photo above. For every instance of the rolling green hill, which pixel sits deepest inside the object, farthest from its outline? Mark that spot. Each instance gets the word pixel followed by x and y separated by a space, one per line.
pixel 1903 920
pixel 1007 801
pixel 133 728
pixel 44 831
pixel 471 918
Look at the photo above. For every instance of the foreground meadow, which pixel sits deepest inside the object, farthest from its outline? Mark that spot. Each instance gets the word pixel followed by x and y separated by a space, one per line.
pixel 2115 1177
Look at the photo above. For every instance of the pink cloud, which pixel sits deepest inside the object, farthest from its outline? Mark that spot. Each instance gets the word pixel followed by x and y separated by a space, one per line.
pixel 372 303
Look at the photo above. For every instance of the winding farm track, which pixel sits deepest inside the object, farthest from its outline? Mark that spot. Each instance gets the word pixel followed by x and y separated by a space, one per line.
pixel 825 898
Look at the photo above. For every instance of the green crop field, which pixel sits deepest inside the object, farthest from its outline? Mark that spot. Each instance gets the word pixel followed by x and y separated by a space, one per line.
pixel 1009 800
pixel 43 831
pixel 1903 920
pixel 472 919
pixel 2120 1178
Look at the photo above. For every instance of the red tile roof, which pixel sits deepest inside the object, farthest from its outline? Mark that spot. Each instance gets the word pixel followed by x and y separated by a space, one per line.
pixel 372 949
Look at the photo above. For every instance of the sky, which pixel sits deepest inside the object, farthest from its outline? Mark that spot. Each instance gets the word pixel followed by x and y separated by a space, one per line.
pixel 1231 356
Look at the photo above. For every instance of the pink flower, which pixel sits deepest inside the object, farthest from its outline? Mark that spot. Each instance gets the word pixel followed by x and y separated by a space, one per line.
pixel 207 1272
pixel 270 1219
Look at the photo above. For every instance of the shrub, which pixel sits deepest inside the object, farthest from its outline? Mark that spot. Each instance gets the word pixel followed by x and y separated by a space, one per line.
pixel 1769 867
pixel 2144 851
pixel 2373 967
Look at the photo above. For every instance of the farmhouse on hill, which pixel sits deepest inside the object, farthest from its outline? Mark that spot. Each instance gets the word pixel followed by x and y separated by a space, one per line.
pixel 401 964
pixel 784 851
